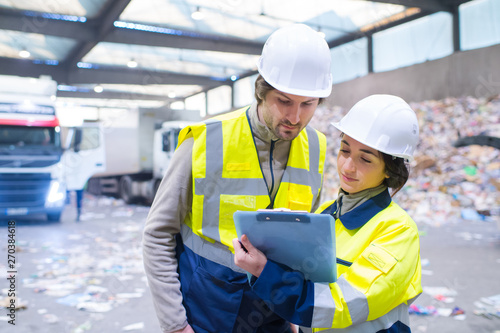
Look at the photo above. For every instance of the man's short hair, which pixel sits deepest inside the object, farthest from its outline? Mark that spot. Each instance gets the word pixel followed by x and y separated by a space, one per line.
pixel 262 88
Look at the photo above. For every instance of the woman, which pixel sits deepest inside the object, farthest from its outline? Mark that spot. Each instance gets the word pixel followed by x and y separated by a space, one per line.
pixel 377 244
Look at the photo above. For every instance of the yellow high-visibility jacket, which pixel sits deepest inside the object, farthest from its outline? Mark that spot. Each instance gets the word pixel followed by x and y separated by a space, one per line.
pixel 378 274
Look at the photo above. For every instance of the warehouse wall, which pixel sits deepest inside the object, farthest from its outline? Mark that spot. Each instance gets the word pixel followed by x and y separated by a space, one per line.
pixel 467 73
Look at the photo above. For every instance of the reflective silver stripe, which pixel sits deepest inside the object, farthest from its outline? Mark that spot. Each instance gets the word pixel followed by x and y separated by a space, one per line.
pixel 312 138
pixel 399 313
pixel 324 305
pixel 310 177
pixel 323 302
pixel 213 185
pixel 214 148
pixel 215 252
pixel 212 188
pixel 356 301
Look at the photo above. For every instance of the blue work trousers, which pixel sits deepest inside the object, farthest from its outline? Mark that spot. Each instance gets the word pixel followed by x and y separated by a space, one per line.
pixel 219 300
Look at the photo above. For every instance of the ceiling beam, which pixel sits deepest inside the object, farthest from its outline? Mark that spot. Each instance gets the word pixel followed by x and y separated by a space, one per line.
pixel 427 5
pixel 107 94
pixel 142 77
pixel 185 40
pixel 27 68
pixel 104 24
pixel 16 21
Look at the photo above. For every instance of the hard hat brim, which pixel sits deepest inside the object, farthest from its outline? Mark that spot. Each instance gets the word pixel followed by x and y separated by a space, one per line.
pixel 339 127
pixel 299 92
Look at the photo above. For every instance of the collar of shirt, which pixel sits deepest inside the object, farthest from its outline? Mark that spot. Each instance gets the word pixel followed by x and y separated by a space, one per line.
pixel 363 213
pixel 347 202
pixel 259 130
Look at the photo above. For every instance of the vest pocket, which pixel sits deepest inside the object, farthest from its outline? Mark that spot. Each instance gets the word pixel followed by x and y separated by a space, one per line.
pixel 299 197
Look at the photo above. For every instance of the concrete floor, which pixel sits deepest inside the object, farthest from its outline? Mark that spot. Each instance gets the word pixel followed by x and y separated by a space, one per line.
pixel 100 258
pixel 75 258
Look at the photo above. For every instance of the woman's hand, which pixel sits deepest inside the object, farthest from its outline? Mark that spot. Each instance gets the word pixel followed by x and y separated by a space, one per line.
pixel 248 257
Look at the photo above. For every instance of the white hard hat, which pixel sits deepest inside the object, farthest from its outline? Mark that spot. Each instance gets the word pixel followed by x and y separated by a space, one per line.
pixel 383 122
pixel 296 60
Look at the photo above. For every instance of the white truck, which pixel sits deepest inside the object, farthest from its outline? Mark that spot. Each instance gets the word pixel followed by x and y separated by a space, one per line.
pixel 35 169
pixel 139 144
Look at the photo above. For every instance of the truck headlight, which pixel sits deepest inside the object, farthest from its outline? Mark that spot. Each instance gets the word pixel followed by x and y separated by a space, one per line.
pixel 57 194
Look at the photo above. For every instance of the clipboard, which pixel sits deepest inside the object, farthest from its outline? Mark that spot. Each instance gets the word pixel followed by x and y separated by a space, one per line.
pixel 302 241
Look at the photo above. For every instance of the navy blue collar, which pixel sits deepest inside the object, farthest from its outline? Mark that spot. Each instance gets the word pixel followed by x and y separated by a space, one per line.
pixel 357 217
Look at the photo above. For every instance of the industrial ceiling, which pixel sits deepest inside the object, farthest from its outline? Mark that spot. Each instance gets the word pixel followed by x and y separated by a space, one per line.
pixel 167 50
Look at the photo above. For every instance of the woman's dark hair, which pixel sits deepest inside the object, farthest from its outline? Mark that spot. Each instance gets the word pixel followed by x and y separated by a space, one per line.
pixel 397 170
pixel 262 88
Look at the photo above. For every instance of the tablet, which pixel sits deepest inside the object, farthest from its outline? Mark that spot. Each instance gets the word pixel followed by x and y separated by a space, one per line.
pixel 302 241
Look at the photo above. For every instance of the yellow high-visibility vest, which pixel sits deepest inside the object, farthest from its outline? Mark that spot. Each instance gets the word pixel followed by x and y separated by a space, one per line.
pixel 227 175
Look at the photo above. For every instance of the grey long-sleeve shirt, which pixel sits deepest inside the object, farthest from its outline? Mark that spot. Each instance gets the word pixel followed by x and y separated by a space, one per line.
pixel 170 206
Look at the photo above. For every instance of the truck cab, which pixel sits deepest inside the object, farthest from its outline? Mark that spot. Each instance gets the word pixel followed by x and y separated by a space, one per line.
pixel 164 145
pixel 31 174
pixel 139 144
pixel 36 169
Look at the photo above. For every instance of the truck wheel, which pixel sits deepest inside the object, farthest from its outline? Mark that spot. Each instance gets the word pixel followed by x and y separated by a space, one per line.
pixel 54 217
pixel 125 189
pixel 94 186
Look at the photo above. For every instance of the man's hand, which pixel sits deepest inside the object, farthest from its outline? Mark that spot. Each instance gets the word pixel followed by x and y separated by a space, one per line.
pixel 186 329
pixel 248 257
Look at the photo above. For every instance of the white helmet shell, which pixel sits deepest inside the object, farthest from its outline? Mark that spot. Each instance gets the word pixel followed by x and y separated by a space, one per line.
pixel 296 60
pixel 383 122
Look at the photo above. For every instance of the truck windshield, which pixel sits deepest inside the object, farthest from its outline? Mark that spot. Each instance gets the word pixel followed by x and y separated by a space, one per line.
pixel 22 136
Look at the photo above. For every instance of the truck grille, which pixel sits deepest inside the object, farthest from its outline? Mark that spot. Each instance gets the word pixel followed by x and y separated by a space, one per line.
pixel 29 163
pixel 23 189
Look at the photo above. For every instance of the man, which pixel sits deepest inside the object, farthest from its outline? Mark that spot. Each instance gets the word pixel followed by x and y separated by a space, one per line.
pixel 262 156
